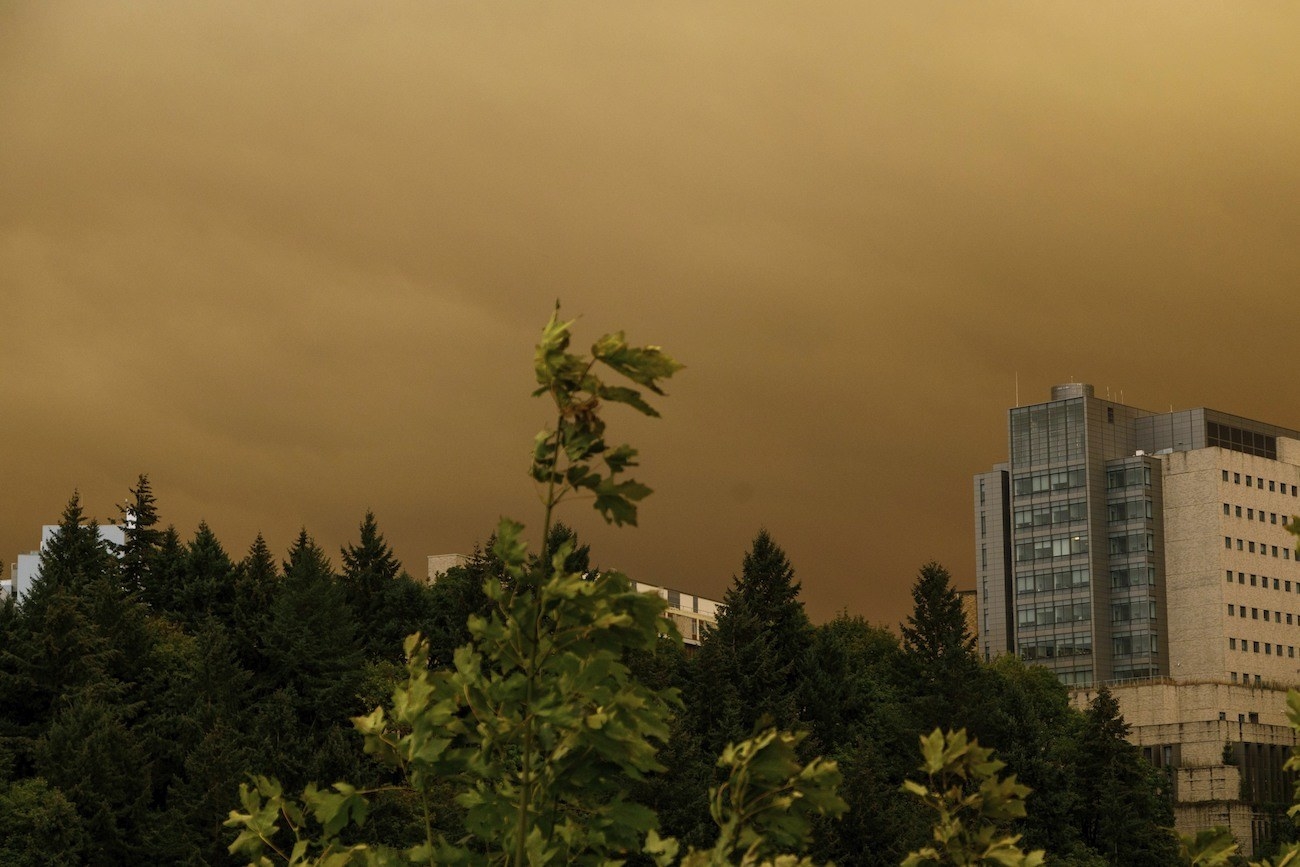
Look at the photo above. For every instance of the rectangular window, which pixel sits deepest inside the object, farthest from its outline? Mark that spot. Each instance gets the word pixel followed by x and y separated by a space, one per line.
pixel 1270 484
pixel 1250 514
pixel 1232 610
pixel 1273 551
pixel 1229 576
pixel 1232 644
pixel 1256 647
pixel 1241 577
pixel 1238 511
pixel 1225 475
pixel 1290 651
pixel 1252 546
pixel 1248 480
pixel 1258 681
pixel 1226 509
pixel 1293 490
pixel 1254 614
pixel 1234 676
pixel 1286 553
pixel 1272 517
pixel 1238 544
pixel 1236 478
pixel 1268 649
pixel 1265 615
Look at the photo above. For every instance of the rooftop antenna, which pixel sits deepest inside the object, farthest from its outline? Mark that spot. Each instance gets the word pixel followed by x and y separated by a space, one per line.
pixel 1017 388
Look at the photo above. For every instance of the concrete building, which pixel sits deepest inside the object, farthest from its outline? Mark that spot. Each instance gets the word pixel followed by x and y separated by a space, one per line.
pixel 24 572
pixel 691 614
pixel 440 563
pixel 1150 551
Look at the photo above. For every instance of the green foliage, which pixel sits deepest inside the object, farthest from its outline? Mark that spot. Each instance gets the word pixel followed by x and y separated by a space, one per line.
pixel 39 826
pixel 751 665
pixel 769 801
pixel 539 726
pixel 939 659
pixel 973 805
pixel 1126 808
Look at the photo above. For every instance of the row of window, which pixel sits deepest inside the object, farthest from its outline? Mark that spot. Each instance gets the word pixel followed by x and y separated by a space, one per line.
pixel 1245 678
pixel 1240 611
pixel 1057 648
pixel 1059 579
pixel 1132 609
pixel 1055 546
pixel 1133 543
pixel 1254 482
pixel 1077 510
pixel 1128 645
pixel 1031 617
pixel 1128 510
pixel 1230 511
pixel 1253 647
pixel 1249 547
pixel 1062 480
pixel 1077 577
pixel 1056 513
pixel 1128 477
pixel 1132 576
pixel 1263 580
pixel 1241 440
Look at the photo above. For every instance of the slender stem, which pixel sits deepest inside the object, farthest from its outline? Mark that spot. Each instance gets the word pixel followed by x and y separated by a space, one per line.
pixel 530 673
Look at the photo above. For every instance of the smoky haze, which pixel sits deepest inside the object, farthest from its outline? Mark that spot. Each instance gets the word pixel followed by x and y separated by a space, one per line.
pixel 290 260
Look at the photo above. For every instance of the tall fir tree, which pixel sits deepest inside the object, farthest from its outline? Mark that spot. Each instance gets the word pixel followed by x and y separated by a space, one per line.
pixel 207 581
pixel 750 667
pixel 938 663
pixel 1127 811
pixel 386 603
pixel 143 539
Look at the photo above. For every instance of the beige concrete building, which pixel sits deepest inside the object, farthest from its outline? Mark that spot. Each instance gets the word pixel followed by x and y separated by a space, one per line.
pixel 690 614
pixel 1223 746
pixel 1150 551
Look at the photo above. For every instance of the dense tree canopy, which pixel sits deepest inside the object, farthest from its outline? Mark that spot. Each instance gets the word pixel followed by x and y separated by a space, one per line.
pixel 142 685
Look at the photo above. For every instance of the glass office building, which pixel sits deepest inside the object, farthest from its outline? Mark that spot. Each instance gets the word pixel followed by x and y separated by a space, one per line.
pixel 1072 532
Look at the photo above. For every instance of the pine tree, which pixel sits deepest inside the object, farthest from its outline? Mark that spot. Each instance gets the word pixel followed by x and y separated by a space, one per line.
pixel 939 664
pixel 370 583
pixel 207 585
pixel 751 665
pixel 257 583
pixel 311 638
pixel 1126 806
pixel 142 539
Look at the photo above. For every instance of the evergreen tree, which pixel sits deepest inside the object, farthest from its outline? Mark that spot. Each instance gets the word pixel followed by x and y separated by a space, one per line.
pixel 939 664
pixel 857 716
pixel 92 756
pixel 1126 806
pixel 207 581
pixel 312 671
pixel 750 666
pixel 39 826
pixel 386 603
pixel 257 583
pixel 142 539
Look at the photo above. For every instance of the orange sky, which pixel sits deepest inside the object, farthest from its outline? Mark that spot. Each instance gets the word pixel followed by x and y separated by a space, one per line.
pixel 290 259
